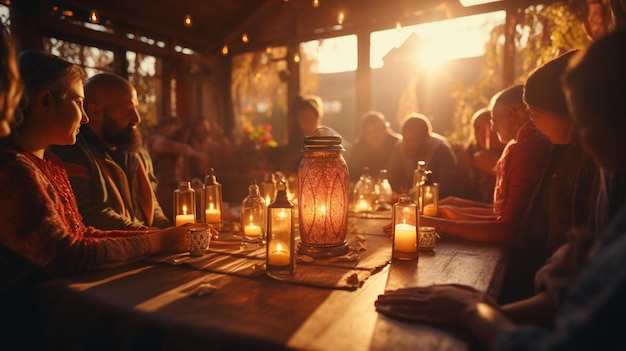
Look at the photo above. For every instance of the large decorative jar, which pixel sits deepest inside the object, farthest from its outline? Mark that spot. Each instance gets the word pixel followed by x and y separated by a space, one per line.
pixel 323 191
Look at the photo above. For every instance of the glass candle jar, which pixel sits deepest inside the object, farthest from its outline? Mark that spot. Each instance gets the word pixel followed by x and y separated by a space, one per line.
pixel 280 235
pixel 429 196
pixel 253 220
pixel 184 204
pixel 212 200
pixel 419 175
pixel 269 188
pixel 405 220
pixel 323 191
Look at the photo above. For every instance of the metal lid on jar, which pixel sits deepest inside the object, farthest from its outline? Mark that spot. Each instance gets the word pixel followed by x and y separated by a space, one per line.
pixel 323 139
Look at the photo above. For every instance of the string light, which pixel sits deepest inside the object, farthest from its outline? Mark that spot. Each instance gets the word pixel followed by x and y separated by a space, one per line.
pixel 296 57
pixel 188 21
pixel 341 17
pixel 316 3
pixel 244 38
pixel 94 17
pixel 225 50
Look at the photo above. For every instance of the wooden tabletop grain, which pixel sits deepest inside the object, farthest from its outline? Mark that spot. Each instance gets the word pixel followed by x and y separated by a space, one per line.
pixel 157 306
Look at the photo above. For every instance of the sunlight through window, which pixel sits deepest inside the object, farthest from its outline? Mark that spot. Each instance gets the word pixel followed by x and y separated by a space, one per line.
pixel 333 55
pixel 439 41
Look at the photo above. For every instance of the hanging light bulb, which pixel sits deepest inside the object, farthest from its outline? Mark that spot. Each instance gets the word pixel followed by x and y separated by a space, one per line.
pixel 188 21
pixel 341 17
pixel 398 26
pixel 244 38
pixel 94 17
pixel 225 50
pixel 316 3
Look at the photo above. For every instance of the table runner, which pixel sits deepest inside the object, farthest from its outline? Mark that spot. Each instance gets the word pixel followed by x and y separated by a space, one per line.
pixel 368 253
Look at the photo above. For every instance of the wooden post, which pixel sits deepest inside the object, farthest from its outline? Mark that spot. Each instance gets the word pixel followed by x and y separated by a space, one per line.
pixel 508 67
pixel 363 78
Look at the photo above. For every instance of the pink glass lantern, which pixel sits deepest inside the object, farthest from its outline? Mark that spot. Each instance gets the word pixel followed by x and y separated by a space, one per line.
pixel 323 193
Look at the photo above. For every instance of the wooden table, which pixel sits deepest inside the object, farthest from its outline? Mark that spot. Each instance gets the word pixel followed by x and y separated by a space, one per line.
pixel 148 306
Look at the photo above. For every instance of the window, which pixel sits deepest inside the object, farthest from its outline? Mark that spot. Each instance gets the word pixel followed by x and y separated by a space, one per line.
pixel 144 72
pixel 416 68
pixel 328 69
pixel 92 59
pixel 259 93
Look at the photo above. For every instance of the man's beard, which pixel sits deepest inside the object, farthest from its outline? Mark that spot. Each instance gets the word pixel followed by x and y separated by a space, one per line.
pixel 127 139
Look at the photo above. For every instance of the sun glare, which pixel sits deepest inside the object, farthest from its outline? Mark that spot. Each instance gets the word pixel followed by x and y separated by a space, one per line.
pixel 439 42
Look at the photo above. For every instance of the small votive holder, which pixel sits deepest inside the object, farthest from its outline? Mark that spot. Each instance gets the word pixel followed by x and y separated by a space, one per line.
pixel 280 239
pixel 199 240
pixel 405 236
pixel 428 238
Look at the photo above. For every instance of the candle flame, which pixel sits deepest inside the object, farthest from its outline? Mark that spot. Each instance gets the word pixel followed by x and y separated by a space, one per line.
pixel 279 247
pixel 251 220
pixel 184 209
pixel 211 207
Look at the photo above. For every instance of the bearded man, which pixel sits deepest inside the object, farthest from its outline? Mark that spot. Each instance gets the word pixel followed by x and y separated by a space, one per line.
pixel 111 173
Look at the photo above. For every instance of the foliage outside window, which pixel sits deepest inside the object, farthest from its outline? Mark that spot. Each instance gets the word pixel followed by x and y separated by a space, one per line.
pixel 259 95
pixel 93 60
pixel 144 72
pixel 542 33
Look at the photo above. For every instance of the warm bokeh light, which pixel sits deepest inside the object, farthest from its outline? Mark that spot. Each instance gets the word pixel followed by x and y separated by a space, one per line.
pixel 188 20
pixel 94 17
pixel 225 50
pixel 244 38
pixel 341 17
pixel 315 3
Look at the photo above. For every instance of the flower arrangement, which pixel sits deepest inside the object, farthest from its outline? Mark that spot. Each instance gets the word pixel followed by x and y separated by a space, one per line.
pixel 260 135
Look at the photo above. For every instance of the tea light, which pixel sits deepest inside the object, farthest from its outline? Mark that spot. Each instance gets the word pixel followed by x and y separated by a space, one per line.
pixel 362 205
pixel 252 230
pixel 279 256
pixel 212 214
pixel 185 218
pixel 405 237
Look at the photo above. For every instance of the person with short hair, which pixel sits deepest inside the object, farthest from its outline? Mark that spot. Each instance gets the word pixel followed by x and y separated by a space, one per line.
pixel 590 310
pixel 420 143
pixel 373 147
pixel 518 170
pixel 111 173
pixel 43 234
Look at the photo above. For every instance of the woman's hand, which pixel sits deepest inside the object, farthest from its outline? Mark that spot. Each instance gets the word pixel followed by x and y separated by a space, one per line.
pixel 437 304
pixel 175 239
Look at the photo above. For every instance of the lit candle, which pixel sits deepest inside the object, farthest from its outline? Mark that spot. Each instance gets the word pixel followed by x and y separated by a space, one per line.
pixel 185 218
pixel 430 210
pixel 405 237
pixel 212 214
pixel 362 205
pixel 252 230
pixel 279 256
